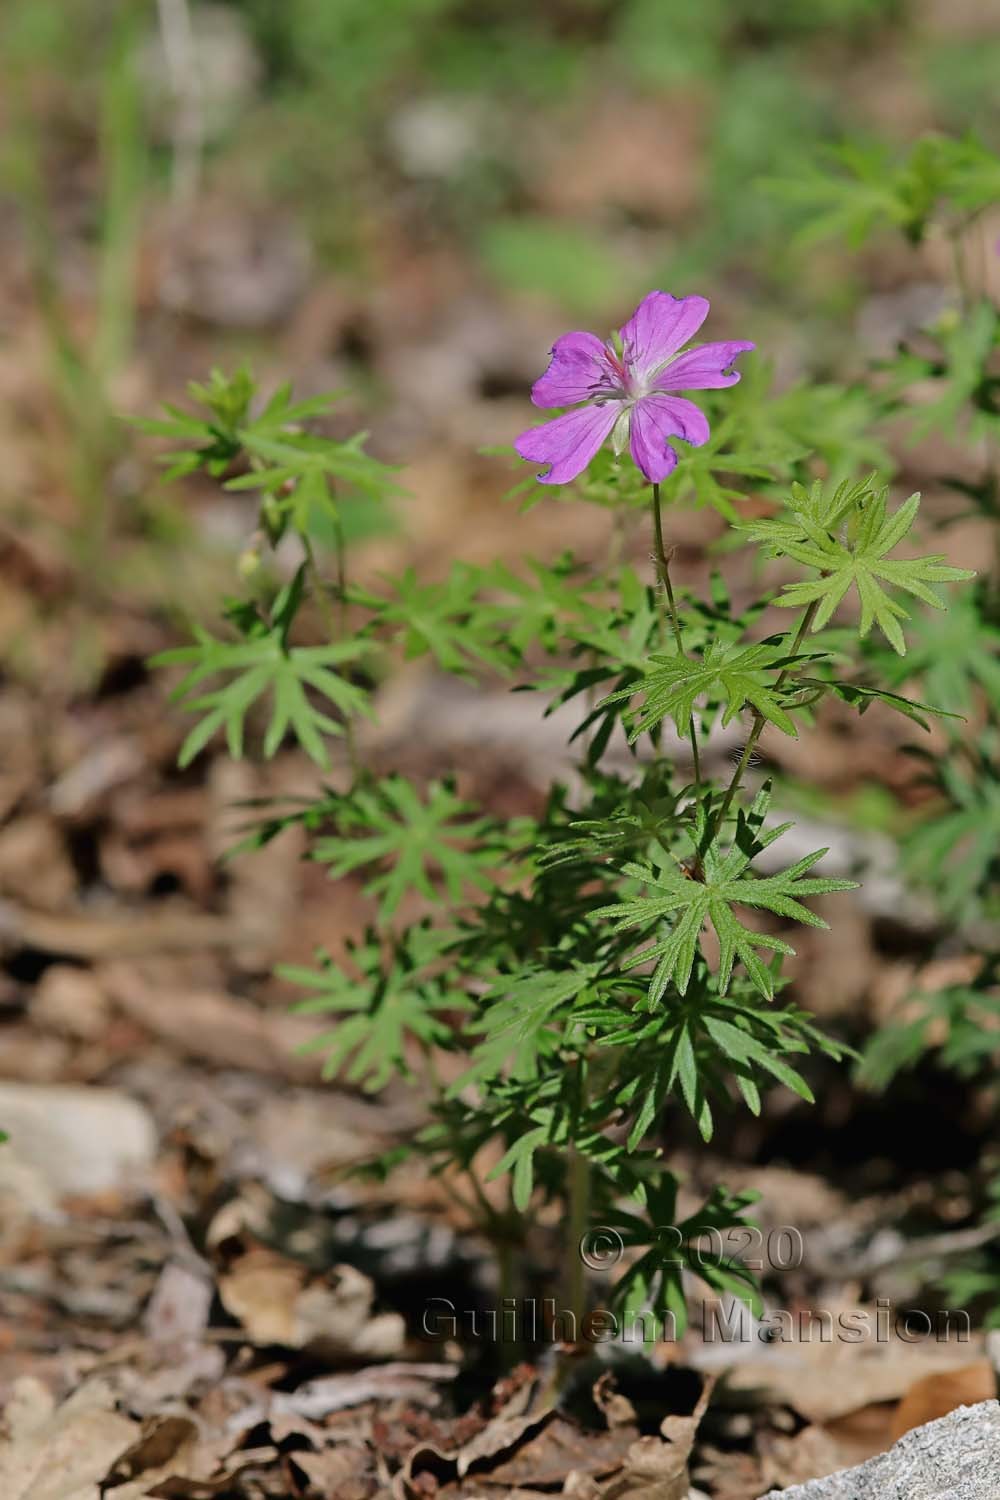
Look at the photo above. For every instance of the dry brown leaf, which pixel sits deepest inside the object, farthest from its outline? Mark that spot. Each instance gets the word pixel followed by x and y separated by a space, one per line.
pixel 279 1301
pixel 530 1452
pixel 167 1446
pixel 729 1475
pixel 502 1432
pixel 616 1409
pixel 176 1457
pixel 860 1434
pixel 794 1459
pixel 35 865
pixel 935 1396
pixel 824 1378
pixel 345 1471
pixel 179 1307
pixel 560 1447
pixel 70 1001
pixel 60 1453
pixel 501 1435
pixel 657 1468
pixel 150 1377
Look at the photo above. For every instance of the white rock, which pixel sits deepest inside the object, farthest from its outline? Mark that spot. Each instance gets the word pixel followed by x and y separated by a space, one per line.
pixel 79 1140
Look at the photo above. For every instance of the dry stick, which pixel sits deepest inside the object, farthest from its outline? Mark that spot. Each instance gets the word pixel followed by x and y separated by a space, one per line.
pixel 758 724
pixel 663 569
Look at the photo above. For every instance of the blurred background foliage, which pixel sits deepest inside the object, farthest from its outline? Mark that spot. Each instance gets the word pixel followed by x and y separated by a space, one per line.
pixel 410 199
pixel 554 142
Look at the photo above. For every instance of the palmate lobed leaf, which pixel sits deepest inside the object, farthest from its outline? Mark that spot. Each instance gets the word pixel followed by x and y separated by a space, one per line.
pixel 718 880
pixel 854 188
pixel 737 675
pixel 855 557
pixel 265 666
pixel 385 1001
pixel 448 620
pixel 521 1023
pixel 861 695
pixel 954 658
pixel 429 843
pixel 695 1245
pixel 955 851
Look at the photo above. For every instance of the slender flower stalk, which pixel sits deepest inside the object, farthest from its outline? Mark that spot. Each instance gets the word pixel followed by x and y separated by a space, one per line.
pixel 663 569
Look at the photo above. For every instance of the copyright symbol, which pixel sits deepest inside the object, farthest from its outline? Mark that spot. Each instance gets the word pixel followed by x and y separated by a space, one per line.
pixel 601 1247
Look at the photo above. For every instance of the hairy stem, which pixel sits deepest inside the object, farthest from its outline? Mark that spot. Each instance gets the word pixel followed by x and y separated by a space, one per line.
pixel 759 721
pixel 336 626
pixel 663 571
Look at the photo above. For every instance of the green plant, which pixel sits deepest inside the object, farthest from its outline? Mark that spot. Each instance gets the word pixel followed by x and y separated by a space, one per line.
pixel 942 380
pixel 568 957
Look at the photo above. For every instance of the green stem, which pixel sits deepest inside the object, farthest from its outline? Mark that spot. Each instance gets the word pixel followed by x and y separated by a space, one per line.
pixel 578 1171
pixel 352 744
pixel 758 724
pixel 335 626
pixel 663 571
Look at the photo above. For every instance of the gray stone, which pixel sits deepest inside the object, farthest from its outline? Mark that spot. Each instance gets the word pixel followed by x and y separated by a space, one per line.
pixel 955 1458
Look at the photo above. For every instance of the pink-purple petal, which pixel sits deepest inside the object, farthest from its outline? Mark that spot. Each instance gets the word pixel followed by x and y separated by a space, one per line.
pixel 569 442
pixel 656 419
pixel 660 325
pixel 706 368
pixel 579 369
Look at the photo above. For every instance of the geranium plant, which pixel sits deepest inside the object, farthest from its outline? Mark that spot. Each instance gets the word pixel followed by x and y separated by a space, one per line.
pixel 617 951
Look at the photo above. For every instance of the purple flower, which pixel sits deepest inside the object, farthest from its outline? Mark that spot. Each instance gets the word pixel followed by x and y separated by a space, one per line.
pixel 629 397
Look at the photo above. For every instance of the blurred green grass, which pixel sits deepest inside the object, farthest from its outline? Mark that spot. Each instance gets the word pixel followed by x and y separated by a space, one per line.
pixel 766 80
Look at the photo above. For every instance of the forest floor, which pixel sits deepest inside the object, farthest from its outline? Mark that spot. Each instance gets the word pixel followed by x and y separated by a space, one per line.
pixel 200 1296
